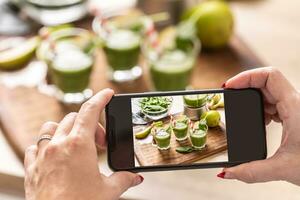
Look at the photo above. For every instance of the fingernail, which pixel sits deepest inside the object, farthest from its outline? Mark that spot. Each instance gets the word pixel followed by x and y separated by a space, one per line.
pixel 109 89
pixel 224 85
pixel 226 175
pixel 221 175
pixel 140 179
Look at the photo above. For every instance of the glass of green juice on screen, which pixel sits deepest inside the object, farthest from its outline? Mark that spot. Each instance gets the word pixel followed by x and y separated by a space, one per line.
pixel 198 135
pixel 162 137
pixel 171 59
pixel 180 127
pixel 70 59
pixel 195 105
pixel 121 37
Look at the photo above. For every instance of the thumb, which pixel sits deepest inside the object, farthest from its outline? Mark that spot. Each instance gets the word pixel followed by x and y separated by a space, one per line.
pixel 122 181
pixel 255 171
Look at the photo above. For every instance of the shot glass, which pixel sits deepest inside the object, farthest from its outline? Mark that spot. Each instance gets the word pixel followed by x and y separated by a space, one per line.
pixel 198 136
pixel 171 65
pixel 121 37
pixel 180 127
pixel 162 137
pixel 69 55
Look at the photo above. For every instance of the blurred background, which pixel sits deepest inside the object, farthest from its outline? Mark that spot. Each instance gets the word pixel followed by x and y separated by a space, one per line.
pixel 55 54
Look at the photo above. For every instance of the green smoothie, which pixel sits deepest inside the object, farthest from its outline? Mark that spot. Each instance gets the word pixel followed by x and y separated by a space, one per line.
pixel 70 70
pixel 122 49
pixel 180 130
pixel 161 135
pixel 198 138
pixel 162 138
pixel 172 70
pixel 195 101
pixel 180 127
pixel 185 36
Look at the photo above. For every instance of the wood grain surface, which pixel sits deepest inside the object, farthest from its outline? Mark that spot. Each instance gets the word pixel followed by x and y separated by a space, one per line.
pixel 23 110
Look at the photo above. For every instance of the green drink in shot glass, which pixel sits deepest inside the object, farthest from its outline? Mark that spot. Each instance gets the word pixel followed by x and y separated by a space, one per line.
pixel 68 53
pixel 122 50
pixel 121 37
pixel 171 59
pixel 198 134
pixel 162 136
pixel 198 138
pixel 180 127
pixel 171 70
pixel 70 71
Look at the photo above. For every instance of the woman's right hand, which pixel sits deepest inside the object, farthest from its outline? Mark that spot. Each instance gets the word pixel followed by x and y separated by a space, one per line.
pixel 282 104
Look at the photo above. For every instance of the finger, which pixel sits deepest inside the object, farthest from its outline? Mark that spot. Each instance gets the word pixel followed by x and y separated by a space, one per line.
pixel 65 126
pixel 270 109
pixel 256 171
pixel 47 128
pixel 100 137
pixel 270 78
pixel 30 156
pixel 276 118
pixel 87 119
pixel 122 181
pixel 268 97
pixel 267 119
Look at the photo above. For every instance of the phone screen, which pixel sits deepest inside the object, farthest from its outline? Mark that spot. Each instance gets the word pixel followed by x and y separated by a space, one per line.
pixel 179 129
pixel 185 129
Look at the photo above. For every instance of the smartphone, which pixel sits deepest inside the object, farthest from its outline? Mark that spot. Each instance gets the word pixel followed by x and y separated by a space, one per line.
pixel 185 129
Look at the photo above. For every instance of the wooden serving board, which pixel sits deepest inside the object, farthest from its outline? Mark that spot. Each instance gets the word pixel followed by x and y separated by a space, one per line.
pixel 149 155
pixel 23 110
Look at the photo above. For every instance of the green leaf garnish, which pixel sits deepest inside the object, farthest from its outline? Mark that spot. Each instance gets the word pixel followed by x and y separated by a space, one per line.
pixel 185 149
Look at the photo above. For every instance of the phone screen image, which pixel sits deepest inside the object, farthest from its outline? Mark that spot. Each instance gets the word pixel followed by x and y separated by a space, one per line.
pixel 179 129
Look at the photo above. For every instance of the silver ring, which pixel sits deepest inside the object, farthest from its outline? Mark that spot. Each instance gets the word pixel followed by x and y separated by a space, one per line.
pixel 44 137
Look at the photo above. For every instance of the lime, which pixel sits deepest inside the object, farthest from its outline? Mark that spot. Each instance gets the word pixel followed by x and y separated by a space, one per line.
pixel 67 35
pixel 17 57
pixel 212 118
pixel 131 20
pixel 167 37
pixel 144 133
pixel 214 24
pixel 45 31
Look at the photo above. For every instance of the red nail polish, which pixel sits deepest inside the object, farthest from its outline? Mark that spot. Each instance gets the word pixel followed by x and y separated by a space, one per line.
pixel 221 175
pixel 224 85
pixel 142 178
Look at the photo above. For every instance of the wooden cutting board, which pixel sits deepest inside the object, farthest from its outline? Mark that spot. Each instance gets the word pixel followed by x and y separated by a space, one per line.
pixel 149 155
pixel 23 110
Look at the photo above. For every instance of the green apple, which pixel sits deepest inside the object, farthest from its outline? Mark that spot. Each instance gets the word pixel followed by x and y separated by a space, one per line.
pixel 214 23
pixel 16 57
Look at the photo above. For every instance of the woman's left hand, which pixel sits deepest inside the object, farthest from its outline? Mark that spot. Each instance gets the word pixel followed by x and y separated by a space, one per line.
pixel 66 167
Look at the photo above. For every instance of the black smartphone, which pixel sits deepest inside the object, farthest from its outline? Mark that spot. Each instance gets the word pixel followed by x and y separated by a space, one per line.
pixel 185 129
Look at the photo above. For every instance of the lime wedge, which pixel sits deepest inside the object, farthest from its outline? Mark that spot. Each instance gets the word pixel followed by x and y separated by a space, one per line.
pixel 167 37
pixel 131 20
pixel 17 57
pixel 144 133
pixel 47 30
pixel 66 34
